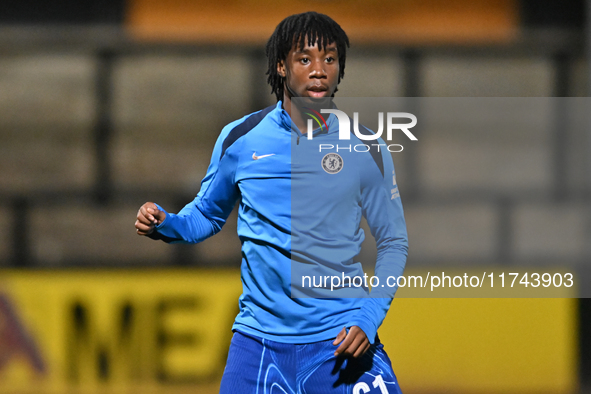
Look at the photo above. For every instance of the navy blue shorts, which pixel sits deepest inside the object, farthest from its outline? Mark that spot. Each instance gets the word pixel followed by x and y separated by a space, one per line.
pixel 261 366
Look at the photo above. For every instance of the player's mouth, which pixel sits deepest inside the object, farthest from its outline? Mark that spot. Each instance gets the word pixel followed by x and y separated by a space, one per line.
pixel 317 90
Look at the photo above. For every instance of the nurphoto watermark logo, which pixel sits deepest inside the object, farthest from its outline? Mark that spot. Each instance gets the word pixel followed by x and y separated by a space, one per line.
pixel 393 123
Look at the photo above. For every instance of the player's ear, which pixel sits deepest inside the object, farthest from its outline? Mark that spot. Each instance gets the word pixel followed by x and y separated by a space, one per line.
pixel 281 68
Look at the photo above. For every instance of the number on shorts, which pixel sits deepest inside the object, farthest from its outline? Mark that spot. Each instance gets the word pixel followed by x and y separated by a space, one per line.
pixel 362 387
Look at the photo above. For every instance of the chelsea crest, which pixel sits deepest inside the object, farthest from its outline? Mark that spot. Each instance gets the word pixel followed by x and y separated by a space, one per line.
pixel 332 163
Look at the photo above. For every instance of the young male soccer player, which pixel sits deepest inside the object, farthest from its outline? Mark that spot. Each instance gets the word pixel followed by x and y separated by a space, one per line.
pixel 283 344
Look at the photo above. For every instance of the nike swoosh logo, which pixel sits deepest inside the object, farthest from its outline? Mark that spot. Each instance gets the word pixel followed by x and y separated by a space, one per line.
pixel 255 157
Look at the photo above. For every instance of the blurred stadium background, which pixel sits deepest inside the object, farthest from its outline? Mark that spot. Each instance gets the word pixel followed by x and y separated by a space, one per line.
pixel 107 104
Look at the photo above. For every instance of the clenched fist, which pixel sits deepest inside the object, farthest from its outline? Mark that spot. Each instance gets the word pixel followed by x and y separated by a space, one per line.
pixel 148 217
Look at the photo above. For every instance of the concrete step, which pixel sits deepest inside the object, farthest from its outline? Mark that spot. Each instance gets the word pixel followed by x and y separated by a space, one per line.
pixel 452 231
pixel 147 157
pixel 372 76
pixel 46 158
pixel 84 233
pixel 552 231
pixel 168 90
pixel 496 168
pixel 486 76
pixel 47 88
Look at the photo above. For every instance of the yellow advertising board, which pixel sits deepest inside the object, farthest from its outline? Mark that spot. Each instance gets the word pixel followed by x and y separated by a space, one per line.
pixel 158 330
pixel 94 329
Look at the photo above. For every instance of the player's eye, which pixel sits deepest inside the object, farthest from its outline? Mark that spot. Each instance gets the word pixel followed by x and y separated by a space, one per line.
pixel 330 59
pixel 305 60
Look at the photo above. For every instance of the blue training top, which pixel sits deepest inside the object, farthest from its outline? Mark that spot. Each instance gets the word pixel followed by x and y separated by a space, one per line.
pixel 299 217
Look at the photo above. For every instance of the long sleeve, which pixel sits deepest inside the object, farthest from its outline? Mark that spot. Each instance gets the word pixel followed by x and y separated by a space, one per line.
pixel 383 210
pixel 207 213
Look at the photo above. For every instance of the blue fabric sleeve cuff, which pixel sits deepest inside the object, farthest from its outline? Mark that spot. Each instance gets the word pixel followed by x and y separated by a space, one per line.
pixel 368 328
pixel 160 225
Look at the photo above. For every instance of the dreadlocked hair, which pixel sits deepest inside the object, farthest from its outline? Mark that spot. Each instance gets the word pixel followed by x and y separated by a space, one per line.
pixel 294 31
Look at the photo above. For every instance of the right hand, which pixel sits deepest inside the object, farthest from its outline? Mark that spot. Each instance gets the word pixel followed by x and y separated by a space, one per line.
pixel 148 217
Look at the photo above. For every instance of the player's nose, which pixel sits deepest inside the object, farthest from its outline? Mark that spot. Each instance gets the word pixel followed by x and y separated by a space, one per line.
pixel 317 70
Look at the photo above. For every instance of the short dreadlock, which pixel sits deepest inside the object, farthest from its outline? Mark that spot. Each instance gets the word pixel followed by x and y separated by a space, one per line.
pixel 294 30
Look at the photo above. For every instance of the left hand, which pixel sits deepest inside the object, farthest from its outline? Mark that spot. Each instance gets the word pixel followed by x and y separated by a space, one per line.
pixel 353 344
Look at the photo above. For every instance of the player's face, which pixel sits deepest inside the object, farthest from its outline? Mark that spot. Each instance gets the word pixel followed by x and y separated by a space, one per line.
pixel 310 71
